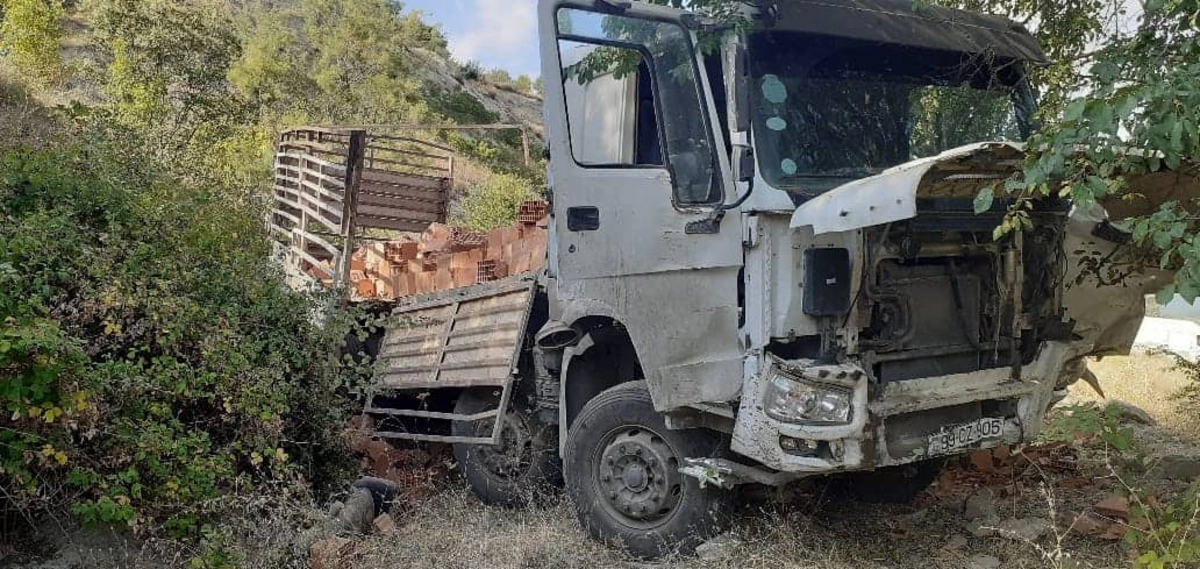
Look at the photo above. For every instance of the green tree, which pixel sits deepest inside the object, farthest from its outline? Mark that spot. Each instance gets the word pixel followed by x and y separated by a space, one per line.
pixel 523 84
pixel 30 37
pixel 1140 117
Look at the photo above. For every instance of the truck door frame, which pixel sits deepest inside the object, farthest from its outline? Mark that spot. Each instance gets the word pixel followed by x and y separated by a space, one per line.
pixel 675 293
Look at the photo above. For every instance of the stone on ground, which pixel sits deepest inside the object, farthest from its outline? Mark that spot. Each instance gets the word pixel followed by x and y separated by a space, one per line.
pixel 1024 529
pixel 983 562
pixel 980 505
pixel 1131 413
pixel 717 548
pixel 1179 467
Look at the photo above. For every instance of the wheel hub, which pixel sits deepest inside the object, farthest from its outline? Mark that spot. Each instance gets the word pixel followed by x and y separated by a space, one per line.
pixel 513 453
pixel 639 475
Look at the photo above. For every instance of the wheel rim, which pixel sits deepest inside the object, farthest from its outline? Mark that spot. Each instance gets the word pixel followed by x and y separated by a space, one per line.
pixel 637 476
pixel 512 455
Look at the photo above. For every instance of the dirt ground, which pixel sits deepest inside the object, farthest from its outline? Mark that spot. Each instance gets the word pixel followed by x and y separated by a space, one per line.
pixel 451 529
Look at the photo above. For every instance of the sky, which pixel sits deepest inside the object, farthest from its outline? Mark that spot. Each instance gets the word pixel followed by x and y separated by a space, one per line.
pixel 496 33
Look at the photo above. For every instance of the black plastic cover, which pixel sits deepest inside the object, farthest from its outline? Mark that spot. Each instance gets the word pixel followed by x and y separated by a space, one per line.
pixel 826 282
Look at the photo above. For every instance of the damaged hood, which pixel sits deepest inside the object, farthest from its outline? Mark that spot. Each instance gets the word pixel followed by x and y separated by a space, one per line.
pixel 1107 306
pixel 892 194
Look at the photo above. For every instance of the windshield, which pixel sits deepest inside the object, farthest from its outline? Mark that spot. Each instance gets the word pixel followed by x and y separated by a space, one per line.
pixel 829 110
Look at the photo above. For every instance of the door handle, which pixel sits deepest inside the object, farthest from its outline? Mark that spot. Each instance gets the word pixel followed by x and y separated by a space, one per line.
pixel 583 218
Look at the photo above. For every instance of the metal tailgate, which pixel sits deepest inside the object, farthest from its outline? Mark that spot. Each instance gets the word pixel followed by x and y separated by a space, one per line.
pixel 468 337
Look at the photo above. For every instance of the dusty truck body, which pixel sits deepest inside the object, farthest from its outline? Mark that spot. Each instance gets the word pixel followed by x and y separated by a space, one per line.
pixel 765 264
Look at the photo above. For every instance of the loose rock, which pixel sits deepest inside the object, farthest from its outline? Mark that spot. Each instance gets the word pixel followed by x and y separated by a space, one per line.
pixel 717 548
pixel 1019 529
pixel 1024 529
pixel 1087 524
pixel 980 505
pixel 1179 467
pixel 1130 413
pixel 983 562
pixel 955 543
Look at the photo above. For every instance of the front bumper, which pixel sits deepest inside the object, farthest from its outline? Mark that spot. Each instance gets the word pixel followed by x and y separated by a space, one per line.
pixel 893 426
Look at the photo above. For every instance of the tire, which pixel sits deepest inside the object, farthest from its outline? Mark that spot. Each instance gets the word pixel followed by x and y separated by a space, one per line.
pixel 519 470
pixel 892 485
pixel 621 468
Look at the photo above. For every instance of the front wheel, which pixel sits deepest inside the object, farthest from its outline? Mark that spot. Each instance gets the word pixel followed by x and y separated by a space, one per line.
pixel 622 474
pixel 522 466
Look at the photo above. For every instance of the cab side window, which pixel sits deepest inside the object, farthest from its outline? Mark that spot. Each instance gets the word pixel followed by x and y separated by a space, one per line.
pixel 634 100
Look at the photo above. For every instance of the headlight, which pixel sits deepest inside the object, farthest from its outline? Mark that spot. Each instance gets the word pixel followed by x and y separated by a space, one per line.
pixel 793 401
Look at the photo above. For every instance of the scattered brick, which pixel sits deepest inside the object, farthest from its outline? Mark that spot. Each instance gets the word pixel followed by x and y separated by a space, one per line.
pixel 1114 507
pixel 444 257
pixel 532 212
pixel 383 525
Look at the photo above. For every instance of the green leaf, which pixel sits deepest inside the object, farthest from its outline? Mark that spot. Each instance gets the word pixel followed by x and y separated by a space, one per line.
pixel 983 201
pixel 1105 71
pixel 1075 110
pixel 1165 295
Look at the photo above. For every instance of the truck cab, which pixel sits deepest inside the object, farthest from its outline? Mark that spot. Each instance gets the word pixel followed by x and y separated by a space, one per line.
pixel 770 259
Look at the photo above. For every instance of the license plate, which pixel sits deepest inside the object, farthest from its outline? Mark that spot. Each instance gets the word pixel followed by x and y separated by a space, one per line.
pixel 956 437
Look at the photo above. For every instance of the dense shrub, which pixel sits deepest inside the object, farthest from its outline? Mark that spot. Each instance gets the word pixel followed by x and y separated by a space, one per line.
pixel 151 360
pixel 30 36
pixel 461 107
pixel 495 203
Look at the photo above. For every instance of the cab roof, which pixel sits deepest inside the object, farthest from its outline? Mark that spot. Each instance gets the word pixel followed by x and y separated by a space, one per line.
pixel 906 22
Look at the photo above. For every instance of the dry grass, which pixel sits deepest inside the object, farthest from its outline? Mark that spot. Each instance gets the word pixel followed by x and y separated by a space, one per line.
pixel 452 530
pixel 1146 380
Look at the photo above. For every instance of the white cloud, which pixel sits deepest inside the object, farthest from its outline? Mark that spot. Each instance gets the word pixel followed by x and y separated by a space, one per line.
pixel 500 31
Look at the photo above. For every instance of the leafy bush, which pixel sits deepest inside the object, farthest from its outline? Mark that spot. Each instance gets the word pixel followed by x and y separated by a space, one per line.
pixel 152 361
pixel 461 107
pixel 1172 535
pixel 472 71
pixel 495 203
pixel 1089 423
pixel 30 36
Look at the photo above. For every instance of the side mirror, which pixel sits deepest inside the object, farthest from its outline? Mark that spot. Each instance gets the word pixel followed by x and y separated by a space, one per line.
pixel 743 163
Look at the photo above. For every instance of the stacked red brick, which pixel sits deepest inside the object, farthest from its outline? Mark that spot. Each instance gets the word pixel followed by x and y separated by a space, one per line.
pixel 444 258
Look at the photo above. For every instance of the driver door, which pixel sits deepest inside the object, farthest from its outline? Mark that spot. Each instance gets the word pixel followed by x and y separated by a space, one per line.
pixel 635 158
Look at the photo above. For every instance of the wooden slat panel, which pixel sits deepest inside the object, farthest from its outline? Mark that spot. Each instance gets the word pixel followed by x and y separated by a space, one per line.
pixel 408 192
pixel 398 213
pixel 302 172
pixel 399 203
pixel 384 177
pixel 368 222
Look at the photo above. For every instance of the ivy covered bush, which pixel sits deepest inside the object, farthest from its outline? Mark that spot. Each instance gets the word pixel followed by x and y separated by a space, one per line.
pixel 152 363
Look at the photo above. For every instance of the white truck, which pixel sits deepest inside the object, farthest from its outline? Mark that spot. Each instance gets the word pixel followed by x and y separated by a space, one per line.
pixel 764 266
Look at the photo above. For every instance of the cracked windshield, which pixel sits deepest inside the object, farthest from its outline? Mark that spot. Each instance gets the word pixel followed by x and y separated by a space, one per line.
pixel 827 112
